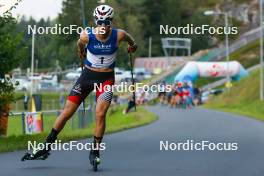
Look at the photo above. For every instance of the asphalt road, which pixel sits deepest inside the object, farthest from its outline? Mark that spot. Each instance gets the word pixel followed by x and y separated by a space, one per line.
pixel 137 152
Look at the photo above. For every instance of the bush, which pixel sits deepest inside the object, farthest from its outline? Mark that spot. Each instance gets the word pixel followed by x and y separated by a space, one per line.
pixel 10 54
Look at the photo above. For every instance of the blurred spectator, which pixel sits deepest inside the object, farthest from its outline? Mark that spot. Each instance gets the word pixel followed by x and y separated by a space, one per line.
pixel 141 98
pixel 187 97
pixel 197 96
pixel 172 96
pixel 183 94
pixel 25 101
pixel 115 100
pixel 62 100
pixel 131 104
pixel 162 93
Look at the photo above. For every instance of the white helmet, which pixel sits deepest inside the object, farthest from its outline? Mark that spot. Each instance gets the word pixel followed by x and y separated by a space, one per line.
pixel 103 12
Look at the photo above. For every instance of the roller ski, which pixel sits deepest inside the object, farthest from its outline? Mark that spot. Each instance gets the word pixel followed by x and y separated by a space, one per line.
pixel 42 154
pixel 94 158
pixel 36 155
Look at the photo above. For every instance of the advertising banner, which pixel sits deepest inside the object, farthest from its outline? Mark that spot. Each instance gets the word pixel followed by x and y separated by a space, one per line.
pixel 193 70
pixel 33 123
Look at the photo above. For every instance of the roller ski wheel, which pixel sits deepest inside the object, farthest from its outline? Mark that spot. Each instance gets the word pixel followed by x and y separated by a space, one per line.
pixel 95 164
pixel 94 159
pixel 29 156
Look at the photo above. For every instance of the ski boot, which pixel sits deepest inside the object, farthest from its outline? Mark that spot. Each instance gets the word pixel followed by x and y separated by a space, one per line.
pixel 43 153
pixel 36 155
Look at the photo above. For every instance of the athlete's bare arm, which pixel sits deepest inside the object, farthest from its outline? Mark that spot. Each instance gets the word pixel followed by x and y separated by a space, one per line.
pixel 81 43
pixel 124 36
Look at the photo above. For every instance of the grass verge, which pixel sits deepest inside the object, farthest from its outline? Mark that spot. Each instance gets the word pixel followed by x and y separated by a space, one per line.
pixel 116 121
pixel 242 99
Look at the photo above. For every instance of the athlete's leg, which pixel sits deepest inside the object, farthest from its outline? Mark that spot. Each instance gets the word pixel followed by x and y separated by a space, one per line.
pixel 69 109
pixel 79 92
pixel 102 105
pixel 103 101
pixel 101 110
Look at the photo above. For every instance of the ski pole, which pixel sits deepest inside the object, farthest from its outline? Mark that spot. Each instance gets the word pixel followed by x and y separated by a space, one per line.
pixel 83 99
pixel 133 81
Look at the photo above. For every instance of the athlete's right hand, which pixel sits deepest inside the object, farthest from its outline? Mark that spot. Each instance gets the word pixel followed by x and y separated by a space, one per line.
pixel 132 49
pixel 81 64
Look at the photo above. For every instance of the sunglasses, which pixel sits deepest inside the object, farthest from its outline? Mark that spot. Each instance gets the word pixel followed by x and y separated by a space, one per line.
pixel 105 22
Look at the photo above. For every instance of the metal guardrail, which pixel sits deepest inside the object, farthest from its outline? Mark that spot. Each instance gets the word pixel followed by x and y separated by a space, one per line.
pixel 78 121
pixel 243 40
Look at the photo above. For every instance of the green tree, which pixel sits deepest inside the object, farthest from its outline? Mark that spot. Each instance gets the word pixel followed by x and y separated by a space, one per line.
pixel 141 18
pixel 11 52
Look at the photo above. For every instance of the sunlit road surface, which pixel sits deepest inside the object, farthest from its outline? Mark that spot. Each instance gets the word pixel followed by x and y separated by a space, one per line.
pixel 137 151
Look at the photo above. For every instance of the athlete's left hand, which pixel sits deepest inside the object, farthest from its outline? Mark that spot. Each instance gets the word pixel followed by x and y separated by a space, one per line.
pixel 132 49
